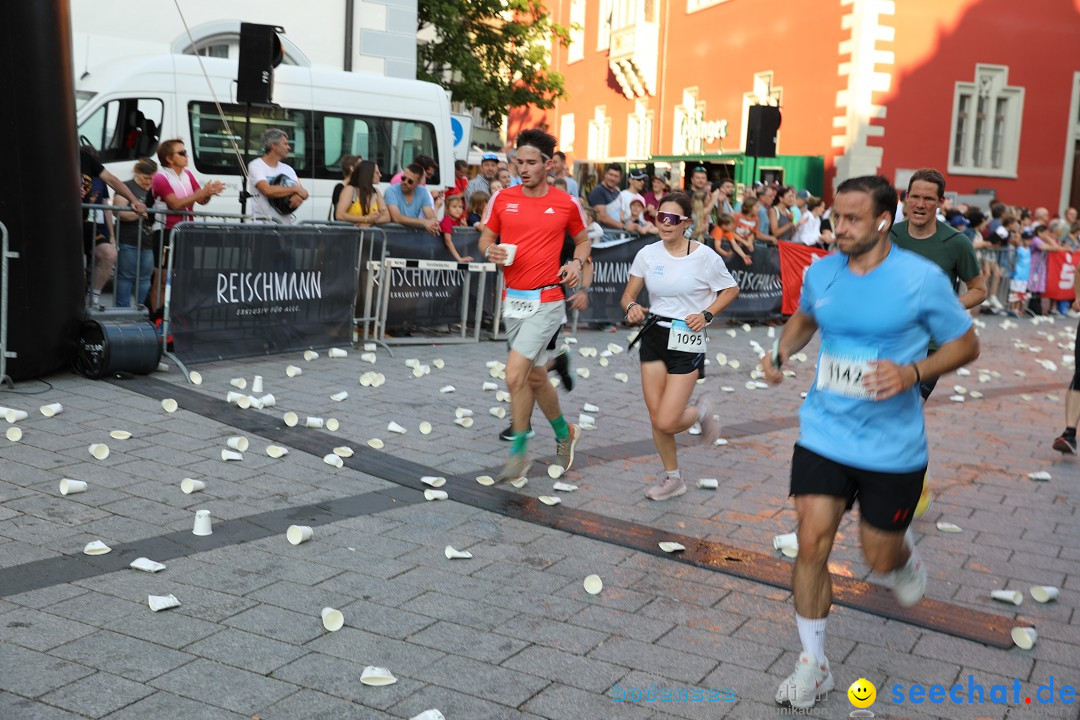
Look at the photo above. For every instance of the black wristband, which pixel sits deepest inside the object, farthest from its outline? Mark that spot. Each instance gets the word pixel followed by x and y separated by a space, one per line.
pixel 628 308
pixel 918 375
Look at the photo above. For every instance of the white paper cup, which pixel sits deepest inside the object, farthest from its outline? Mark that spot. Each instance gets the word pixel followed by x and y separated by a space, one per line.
pixel 447 389
pixel 146 565
pixel 337 353
pixel 463 412
pixel 490 386
pixel 338 397
pixel 502 396
pixel 332 619
pixel 202 523
pixel 268 401
pixel 1024 637
pixel 293 371
pixel 590 408
pixel 276 451
pixel 14 416
pixel 238 442
pixel 158 603
pixel 465 422
pixel 395 428
pixel 435 495
pixel 162 367
pixel 310 355
pixel 431 714
pixel 439 363
pixel 369 347
pixel 195 377
pixel 332 425
pixel 255 402
pixel 99 450
pixel 593 584
pixel 188 485
pixel 425 428
pixel 499 412
pixel 297 534
pixel 708 483
pixel 257 384
pixel 1010 596
pixel 1044 593
pixel 228 455
pixel 72 487
pixel 314 422
pixel 343 451
pixel 238 383
pixel 780 542
pixel 51 409
pixel 435 481
pixel 333 459
pixel 96 547
pixel 13 434
pixel 169 405
pixel 585 420
pixel 368 357
pixel 511 251
pixel 377 676
pixel 291 419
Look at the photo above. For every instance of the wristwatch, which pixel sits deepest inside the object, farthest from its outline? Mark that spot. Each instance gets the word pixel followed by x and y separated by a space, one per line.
pixel 708 316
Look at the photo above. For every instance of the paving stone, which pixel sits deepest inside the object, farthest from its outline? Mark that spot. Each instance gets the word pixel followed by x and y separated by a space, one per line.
pixel 374 649
pixel 614 622
pixel 454 704
pixel 277 623
pixel 677 665
pixel 470 642
pixel 95 608
pixel 552 633
pixel 32 674
pixel 496 684
pixel 561 702
pixel 47 595
pixel 97 695
pixel 13 707
pixel 223 686
pixel 38 630
pixel 167 705
pixel 341 678
pixel 245 650
pixel 583 673
pixel 127 657
pixel 311 705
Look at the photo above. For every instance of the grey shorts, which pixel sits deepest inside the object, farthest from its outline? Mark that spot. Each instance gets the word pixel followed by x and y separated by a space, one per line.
pixel 530 336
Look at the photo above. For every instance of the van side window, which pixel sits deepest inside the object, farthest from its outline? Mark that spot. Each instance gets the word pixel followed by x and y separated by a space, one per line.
pixel 391 143
pixel 213 150
pixel 125 129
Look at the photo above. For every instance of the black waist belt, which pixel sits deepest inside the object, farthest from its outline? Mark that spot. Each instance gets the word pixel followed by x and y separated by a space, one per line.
pixel 650 321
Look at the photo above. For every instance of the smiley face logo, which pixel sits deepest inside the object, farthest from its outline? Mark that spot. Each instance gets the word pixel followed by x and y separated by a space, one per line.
pixel 862 693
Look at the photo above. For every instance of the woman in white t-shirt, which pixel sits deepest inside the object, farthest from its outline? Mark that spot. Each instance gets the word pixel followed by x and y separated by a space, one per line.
pixel 688 284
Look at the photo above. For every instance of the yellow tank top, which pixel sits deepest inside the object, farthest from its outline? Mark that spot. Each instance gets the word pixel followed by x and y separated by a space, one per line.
pixel 357 209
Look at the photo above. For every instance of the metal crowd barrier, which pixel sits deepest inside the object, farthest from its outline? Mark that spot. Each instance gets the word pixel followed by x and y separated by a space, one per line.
pixel 483 268
pixel 158 222
pixel 4 281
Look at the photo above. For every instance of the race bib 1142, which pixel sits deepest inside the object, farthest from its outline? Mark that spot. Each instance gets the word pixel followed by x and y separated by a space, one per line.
pixel 843 373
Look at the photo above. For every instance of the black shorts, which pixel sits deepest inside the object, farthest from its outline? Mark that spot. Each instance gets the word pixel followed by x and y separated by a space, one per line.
pixel 654 342
pixel 886 500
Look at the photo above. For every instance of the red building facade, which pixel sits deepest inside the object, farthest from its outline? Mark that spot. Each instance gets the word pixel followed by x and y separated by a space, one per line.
pixel 988 91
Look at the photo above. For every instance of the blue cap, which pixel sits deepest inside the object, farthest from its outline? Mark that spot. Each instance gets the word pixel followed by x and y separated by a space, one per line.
pixel 489 156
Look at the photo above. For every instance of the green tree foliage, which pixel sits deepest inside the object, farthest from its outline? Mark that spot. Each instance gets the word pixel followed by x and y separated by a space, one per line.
pixel 491 54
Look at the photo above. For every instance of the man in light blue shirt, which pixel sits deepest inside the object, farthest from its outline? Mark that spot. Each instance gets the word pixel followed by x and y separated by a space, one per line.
pixel 410 204
pixel 862 434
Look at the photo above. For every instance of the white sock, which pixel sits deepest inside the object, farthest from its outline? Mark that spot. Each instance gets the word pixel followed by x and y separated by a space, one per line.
pixel 812 634
pixel 676 473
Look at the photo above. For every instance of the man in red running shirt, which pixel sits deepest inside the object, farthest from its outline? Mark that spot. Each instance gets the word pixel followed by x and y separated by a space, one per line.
pixel 524 227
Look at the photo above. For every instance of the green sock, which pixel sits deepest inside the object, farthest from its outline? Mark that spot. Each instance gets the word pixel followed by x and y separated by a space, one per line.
pixel 521 441
pixel 562 430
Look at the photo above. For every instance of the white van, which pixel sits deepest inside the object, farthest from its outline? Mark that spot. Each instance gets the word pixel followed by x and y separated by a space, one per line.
pixel 327 114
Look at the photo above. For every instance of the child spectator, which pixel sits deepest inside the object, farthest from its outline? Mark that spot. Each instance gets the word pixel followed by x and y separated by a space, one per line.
pixel 454 217
pixel 637 220
pixel 558 182
pixel 746 223
pixel 699 230
pixel 1021 272
pixel 477 202
pixel 727 244
pixel 596 230
pixel 808 231
pixel 496 186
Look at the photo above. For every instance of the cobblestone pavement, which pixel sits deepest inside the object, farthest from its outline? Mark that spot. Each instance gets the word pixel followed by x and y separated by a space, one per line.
pixel 510 633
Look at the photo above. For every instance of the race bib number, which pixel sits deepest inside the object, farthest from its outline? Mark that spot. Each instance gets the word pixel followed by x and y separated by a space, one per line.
pixel 520 304
pixel 682 338
pixel 842 371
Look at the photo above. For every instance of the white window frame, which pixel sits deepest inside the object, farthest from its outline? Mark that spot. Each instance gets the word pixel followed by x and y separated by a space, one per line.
pixel 600 135
pixel 639 125
pixel 693 6
pixel 576 51
pixel 603 24
pixel 567 130
pixel 978 137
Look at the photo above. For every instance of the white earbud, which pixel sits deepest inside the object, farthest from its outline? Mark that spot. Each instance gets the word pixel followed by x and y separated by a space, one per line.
pixel 881 225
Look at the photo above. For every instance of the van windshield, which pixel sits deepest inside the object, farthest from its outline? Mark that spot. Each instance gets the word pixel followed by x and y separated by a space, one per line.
pixel 213 137
pixel 123 129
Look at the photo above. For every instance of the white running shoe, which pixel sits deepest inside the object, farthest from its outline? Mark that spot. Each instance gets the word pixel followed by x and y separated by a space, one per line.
pixel 809 682
pixel 909 582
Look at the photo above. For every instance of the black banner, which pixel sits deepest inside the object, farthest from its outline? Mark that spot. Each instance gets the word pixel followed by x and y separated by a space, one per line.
pixel 612 258
pixel 423 297
pixel 760 292
pixel 254 289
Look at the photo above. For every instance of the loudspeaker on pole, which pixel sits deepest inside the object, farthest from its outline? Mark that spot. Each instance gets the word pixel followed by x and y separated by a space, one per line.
pixel 260 53
pixel 762 124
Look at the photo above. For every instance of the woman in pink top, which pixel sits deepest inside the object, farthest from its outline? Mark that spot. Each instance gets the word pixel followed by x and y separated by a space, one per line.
pixel 177 189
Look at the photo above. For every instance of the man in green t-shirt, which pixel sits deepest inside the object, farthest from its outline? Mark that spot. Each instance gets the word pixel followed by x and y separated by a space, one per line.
pixel 922 233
